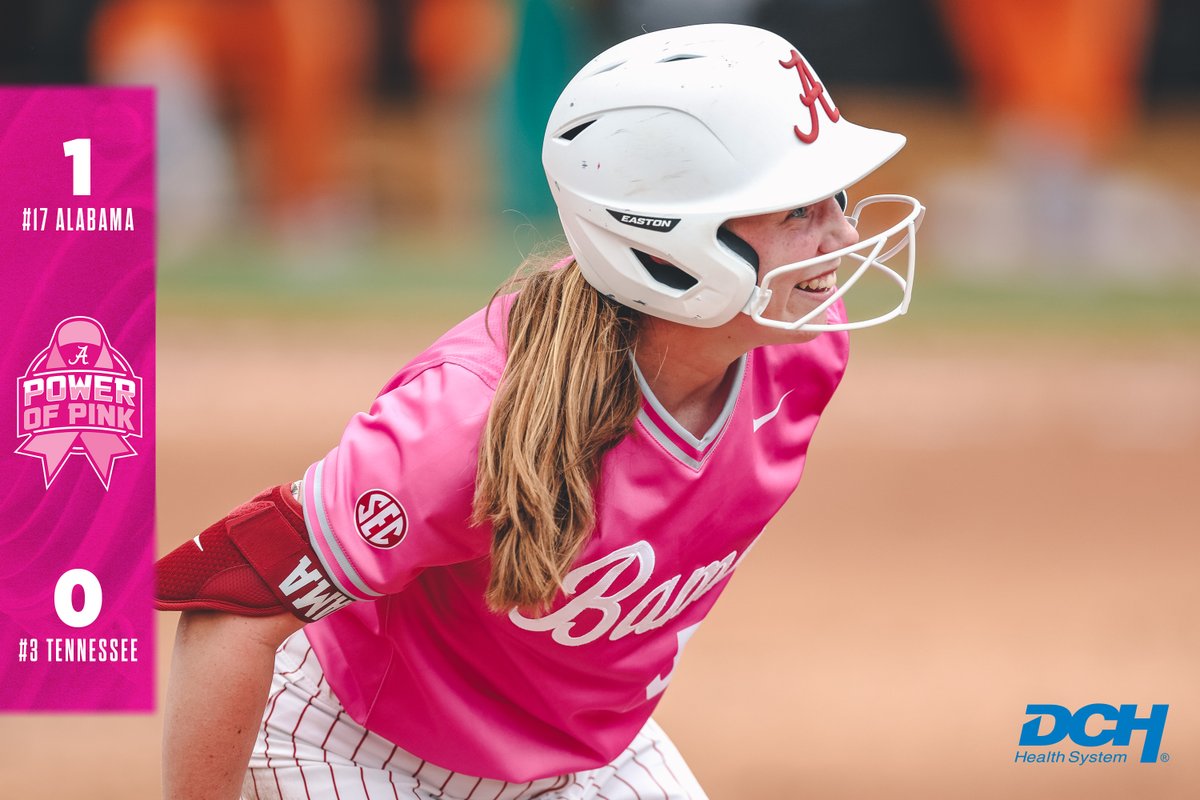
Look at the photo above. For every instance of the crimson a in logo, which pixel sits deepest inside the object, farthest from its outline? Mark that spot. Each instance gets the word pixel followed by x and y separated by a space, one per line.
pixel 79 396
pixel 381 520
pixel 813 93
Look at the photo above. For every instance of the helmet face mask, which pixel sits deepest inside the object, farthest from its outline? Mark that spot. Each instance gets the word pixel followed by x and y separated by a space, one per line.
pixel 662 139
pixel 871 253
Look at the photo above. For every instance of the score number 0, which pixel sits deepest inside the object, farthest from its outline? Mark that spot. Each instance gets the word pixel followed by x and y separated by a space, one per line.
pixel 64 604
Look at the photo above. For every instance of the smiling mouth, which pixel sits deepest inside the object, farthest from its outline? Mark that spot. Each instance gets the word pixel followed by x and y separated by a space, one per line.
pixel 821 283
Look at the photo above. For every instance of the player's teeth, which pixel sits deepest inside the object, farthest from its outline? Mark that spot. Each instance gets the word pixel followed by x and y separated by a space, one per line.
pixel 818 284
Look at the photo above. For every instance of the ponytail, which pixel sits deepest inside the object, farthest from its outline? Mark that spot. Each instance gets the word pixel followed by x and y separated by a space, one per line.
pixel 567 396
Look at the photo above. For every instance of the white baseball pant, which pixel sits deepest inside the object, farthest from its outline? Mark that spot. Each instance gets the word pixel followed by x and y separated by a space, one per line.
pixel 308 748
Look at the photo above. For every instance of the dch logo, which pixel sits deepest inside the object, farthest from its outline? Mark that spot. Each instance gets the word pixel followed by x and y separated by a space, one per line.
pixel 1065 724
pixel 382 521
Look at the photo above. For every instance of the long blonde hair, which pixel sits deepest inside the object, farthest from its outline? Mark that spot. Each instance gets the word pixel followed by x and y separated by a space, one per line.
pixel 568 395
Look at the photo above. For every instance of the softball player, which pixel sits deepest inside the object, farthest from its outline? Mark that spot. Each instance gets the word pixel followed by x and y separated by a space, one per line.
pixel 502 562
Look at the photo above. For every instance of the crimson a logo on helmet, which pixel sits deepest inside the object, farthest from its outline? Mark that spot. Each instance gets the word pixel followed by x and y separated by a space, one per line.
pixel 381 520
pixel 814 92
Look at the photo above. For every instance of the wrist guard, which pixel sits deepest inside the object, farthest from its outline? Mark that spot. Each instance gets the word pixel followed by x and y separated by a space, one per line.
pixel 256 561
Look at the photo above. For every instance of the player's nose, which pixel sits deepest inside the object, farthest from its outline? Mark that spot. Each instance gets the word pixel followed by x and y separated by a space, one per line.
pixel 838 231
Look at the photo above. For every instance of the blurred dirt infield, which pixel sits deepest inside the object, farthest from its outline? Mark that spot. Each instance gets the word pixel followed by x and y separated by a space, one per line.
pixel 984 523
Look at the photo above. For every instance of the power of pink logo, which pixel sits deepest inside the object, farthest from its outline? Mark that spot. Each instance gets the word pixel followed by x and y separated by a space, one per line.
pixel 79 397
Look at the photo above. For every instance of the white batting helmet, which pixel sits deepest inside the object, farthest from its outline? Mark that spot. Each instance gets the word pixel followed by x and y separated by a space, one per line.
pixel 660 140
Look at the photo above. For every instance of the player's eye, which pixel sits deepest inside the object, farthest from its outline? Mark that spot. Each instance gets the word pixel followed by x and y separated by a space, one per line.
pixel 842 199
pixel 798 213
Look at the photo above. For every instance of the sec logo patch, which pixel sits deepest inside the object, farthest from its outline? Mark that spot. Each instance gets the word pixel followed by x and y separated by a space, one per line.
pixel 382 521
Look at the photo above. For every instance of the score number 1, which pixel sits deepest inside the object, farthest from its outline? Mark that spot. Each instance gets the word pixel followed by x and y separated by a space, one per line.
pixel 80 153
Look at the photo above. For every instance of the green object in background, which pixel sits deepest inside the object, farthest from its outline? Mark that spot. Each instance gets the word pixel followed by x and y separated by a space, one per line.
pixel 549 49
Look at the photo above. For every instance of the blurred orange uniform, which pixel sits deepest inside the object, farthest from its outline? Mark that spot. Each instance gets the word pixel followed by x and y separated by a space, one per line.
pixel 294 71
pixel 1064 66
pixel 460 46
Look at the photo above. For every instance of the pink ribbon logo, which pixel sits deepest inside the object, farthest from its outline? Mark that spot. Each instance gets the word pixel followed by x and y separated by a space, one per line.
pixel 79 397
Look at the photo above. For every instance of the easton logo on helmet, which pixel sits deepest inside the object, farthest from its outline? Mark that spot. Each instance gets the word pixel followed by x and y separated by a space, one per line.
pixel 664 224
pixel 813 92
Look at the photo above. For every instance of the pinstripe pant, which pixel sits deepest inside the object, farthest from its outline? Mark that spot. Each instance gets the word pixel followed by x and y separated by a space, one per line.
pixel 308 748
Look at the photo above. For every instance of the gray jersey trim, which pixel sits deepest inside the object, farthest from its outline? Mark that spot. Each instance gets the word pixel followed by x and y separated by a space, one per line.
pixel 660 437
pixel 710 435
pixel 326 533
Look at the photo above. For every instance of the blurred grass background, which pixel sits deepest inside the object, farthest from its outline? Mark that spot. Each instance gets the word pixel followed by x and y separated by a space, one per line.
pixel 403 278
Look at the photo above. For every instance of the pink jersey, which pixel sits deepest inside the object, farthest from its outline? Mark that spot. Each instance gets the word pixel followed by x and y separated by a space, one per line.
pixel 514 698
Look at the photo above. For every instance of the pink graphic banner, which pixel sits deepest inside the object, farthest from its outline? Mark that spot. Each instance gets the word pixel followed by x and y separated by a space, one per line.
pixel 77 421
